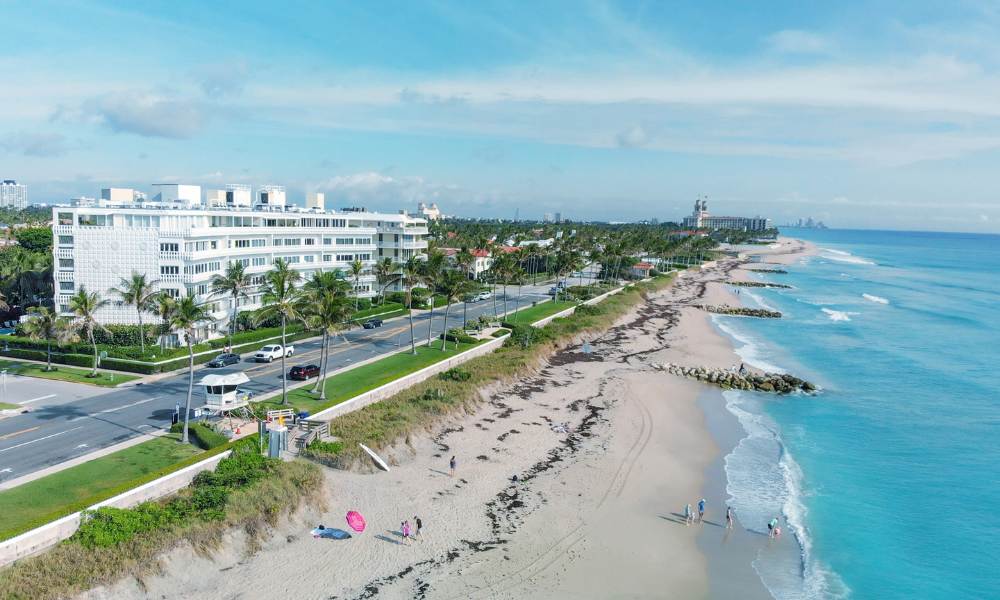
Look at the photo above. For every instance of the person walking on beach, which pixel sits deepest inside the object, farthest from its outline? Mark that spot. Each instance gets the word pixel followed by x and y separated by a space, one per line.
pixel 451 465
pixel 729 517
pixel 771 526
pixel 701 510
pixel 405 530
pixel 688 515
pixel 420 525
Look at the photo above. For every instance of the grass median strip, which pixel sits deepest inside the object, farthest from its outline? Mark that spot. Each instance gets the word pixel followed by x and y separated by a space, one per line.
pixel 531 314
pixel 361 379
pixel 48 498
pixel 64 373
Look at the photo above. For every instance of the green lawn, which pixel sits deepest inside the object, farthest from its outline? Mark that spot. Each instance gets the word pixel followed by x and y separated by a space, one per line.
pixel 5 406
pixel 539 311
pixel 42 500
pixel 368 377
pixel 64 373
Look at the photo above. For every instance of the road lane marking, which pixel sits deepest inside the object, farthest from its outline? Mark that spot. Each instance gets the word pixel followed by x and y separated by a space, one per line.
pixel 111 410
pixel 2 450
pixel 37 399
pixel 10 435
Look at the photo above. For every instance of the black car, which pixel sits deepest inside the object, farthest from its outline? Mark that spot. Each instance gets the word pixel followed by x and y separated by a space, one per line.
pixel 372 323
pixel 224 359
pixel 303 372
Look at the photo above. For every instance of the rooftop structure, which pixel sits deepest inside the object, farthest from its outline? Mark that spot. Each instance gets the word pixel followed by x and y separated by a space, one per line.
pixel 180 243
pixel 431 213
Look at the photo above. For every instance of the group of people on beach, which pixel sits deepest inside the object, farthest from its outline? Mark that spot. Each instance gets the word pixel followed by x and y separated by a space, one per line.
pixel 689 516
pixel 411 532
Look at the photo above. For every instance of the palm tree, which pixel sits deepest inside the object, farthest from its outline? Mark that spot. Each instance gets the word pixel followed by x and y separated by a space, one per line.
pixel 186 316
pixel 357 269
pixel 453 284
pixel 325 306
pixel 386 273
pixel 49 326
pixel 464 259
pixel 280 298
pixel 234 283
pixel 431 272
pixel 163 304
pixel 410 275
pixel 85 305
pixel 3 302
pixel 139 292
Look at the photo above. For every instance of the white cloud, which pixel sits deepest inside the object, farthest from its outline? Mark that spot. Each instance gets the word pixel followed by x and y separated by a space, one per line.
pixel 147 114
pixel 633 137
pixel 36 144
pixel 796 41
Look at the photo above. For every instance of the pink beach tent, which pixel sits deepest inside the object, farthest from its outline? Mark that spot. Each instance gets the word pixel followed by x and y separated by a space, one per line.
pixel 356 521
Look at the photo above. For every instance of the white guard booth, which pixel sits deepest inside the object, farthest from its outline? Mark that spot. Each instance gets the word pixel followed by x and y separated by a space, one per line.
pixel 222 393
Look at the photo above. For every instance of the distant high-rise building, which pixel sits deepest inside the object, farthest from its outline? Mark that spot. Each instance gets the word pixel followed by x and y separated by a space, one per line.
pixel 13 194
pixel 547 217
pixel 558 217
pixel 700 219
pixel 431 213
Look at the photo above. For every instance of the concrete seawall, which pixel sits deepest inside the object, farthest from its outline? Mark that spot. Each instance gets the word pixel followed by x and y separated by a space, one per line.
pixel 50 534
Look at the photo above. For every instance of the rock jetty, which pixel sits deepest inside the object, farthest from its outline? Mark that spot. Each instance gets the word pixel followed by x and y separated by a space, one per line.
pixel 774 271
pixel 759 284
pixel 741 311
pixel 778 383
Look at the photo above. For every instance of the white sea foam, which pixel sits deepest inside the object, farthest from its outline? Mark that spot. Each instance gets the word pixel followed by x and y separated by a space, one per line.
pixel 746 347
pixel 759 488
pixel 838 315
pixel 877 299
pixel 844 257
pixel 758 300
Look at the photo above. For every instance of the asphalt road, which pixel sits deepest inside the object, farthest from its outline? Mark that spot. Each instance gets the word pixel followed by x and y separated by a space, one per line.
pixel 62 427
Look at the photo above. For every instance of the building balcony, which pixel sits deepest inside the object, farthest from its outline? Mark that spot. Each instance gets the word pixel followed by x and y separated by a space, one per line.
pixel 172 278
pixel 62 229
pixel 170 255
pixel 64 275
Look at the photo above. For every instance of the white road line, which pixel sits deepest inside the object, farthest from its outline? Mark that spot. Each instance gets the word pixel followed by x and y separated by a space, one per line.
pixel 37 399
pixel 111 410
pixel 39 439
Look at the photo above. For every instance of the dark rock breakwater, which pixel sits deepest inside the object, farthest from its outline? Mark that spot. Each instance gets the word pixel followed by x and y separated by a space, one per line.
pixel 779 383
pixel 741 311
pixel 774 271
pixel 759 284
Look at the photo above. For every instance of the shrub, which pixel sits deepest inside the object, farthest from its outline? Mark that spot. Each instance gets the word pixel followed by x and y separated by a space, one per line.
pixel 458 335
pixel 201 435
pixel 500 332
pixel 454 375
pixel 109 526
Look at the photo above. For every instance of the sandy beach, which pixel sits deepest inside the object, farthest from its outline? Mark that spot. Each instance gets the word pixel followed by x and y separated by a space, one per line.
pixel 606 448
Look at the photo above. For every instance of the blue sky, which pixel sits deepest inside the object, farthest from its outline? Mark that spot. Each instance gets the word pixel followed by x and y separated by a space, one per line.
pixel 864 114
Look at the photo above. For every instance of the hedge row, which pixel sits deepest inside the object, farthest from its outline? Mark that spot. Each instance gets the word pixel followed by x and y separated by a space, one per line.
pixel 201 435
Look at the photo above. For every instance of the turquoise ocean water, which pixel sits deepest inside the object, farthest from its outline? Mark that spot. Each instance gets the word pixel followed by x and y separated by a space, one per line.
pixel 889 479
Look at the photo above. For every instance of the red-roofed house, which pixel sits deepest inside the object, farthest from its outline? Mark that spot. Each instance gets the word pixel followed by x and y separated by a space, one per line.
pixel 641 269
pixel 482 260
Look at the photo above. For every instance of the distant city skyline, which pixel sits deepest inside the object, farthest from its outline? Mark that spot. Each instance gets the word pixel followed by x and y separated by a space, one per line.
pixel 860 114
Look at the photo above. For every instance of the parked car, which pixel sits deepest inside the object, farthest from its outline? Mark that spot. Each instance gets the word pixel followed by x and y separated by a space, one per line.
pixel 554 290
pixel 226 358
pixel 372 323
pixel 273 351
pixel 303 372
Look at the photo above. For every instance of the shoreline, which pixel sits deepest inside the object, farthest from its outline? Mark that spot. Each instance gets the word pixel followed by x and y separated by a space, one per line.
pixel 594 512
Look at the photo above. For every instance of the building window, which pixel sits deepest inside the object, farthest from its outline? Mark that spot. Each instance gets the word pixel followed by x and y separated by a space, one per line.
pixel 310 258
pixel 170 247
pixel 65 286
pixel 92 220
pixel 65 218
pixel 327 241
pixel 172 292
pixel 65 263
pixel 259 261
pixel 345 257
pixel 65 240
pixel 309 241
pixel 327 258
pixel 170 270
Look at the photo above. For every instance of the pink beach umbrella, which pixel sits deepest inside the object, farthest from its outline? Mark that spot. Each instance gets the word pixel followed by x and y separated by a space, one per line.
pixel 356 521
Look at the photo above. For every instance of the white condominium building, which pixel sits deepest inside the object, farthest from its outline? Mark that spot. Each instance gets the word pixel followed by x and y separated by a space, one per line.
pixel 13 194
pixel 181 244
pixel 700 219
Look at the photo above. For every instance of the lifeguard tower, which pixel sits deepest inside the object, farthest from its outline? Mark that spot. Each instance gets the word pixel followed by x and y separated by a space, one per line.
pixel 223 397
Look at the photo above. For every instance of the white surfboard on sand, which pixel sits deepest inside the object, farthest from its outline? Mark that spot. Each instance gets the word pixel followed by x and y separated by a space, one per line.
pixel 375 457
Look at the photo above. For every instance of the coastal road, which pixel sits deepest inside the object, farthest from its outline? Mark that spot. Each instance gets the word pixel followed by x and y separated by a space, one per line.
pixel 58 429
